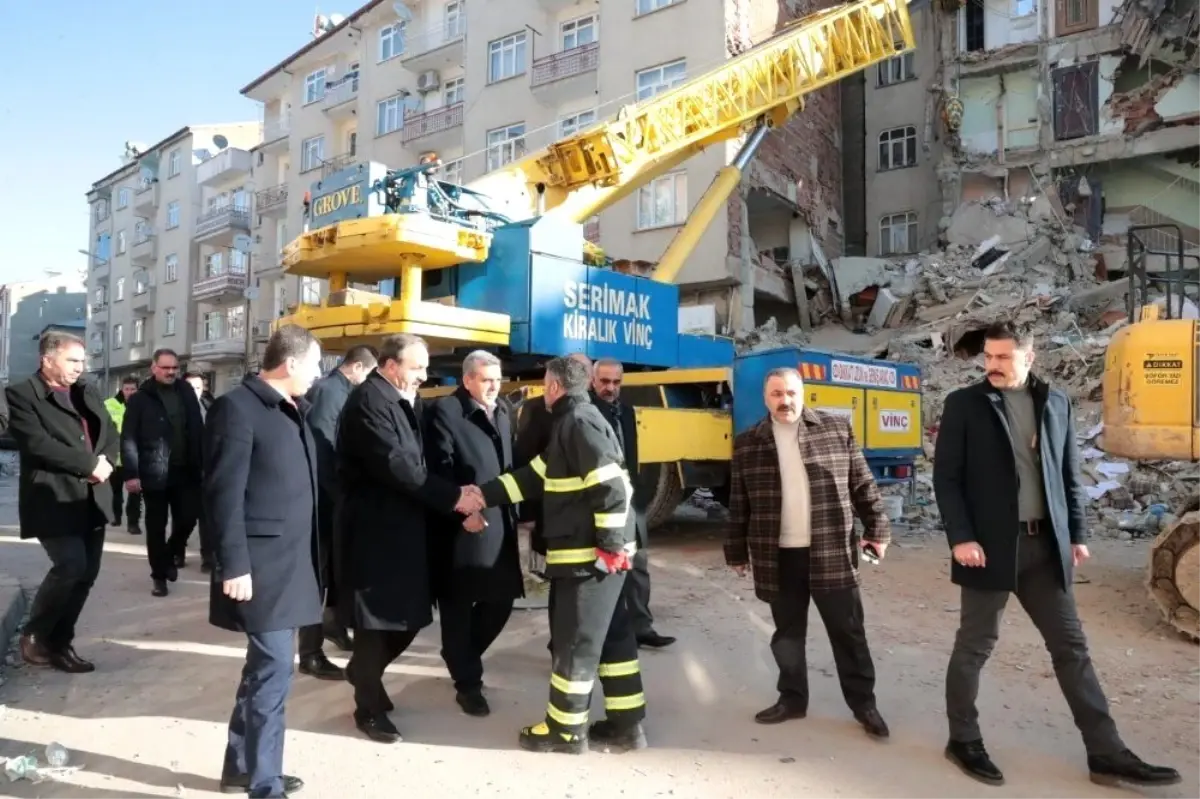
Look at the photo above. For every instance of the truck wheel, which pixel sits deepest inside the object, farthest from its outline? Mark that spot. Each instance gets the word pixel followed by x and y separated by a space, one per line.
pixel 660 481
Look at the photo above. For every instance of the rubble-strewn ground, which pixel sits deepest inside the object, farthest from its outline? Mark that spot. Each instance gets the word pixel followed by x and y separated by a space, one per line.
pixel 151 721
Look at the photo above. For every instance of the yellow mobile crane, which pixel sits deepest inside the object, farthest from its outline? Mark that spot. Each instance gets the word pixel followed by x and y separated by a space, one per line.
pixel 502 263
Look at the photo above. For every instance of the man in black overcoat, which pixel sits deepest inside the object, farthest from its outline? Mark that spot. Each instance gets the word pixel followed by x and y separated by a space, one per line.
pixel 385 492
pixel 260 498
pixel 476 563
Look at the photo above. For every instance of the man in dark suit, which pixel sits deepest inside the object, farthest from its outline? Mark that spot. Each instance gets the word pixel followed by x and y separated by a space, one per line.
pixel 325 400
pixel 476 562
pixel 384 494
pixel 260 495
pixel 68 447
pixel 607 375
pixel 1015 514
pixel 161 457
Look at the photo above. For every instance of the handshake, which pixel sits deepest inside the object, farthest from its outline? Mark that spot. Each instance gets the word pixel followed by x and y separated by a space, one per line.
pixel 470 504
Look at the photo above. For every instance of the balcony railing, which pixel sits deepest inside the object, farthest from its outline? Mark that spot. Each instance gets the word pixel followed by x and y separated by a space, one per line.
pixel 269 199
pixel 336 163
pixel 425 41
pixel 216 285
pixel 566 64
pixel 230 161
pixel 277 128
pixel 418 126
pixel 343 91
pixel 225 216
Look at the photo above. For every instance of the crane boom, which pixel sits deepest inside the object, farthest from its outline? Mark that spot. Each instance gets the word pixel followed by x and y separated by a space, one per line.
pixel 580 175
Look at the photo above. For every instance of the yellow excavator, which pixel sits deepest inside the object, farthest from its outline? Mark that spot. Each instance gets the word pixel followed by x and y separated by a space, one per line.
pixel 1152 403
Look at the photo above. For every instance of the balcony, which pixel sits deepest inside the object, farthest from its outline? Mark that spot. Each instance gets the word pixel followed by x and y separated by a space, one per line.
pixel 341 98
pixel 554 6
pixel 99 307
pixel 225 165
pixel 438 129
pixel 562 76
pixel 100 268
pixel 272 202
pixel 225 286
pixel 144 251
pixel 275 133
pixel 146 197
pixel 336 164
pixel 220 348
pixel 435 48
pixel 144 301
pixel 219 226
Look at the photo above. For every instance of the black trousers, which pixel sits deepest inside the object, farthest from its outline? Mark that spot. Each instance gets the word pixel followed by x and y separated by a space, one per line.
pixel 1051 608
pixel 74 566
pixel 182 500
pixel 312 637
pixel 592 636
pixel 132 503
pixel 256 726
pixel 637 590
pixel 842 613
pixel 468 629
pixel 374 651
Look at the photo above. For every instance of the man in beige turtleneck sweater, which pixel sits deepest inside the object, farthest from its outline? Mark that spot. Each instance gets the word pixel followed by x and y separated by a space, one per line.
pixel 797 482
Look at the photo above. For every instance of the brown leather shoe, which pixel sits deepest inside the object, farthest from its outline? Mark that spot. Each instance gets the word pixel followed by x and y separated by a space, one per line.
pixel 34 652
pixel 68 660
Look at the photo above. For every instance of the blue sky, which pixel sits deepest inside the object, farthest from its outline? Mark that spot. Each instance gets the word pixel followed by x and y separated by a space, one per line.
pixel 99 73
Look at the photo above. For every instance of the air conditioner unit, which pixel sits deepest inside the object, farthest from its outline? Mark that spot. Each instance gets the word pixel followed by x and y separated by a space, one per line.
pixel 429 81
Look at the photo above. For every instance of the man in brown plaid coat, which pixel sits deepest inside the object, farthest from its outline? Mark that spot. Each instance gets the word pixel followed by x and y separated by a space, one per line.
pixel 797 481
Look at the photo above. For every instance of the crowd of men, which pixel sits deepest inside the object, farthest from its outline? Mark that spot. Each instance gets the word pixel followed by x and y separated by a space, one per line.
pixel 395 505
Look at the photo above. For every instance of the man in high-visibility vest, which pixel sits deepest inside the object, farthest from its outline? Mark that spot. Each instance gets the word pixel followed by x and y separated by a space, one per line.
pixel 115 405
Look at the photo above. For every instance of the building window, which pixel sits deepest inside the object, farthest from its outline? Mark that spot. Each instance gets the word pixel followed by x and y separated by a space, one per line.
pixel 122 198
pixel 506 57
pixel 139 331
pixel 310 291
pixel 169 322
pixel 312 153
pixel 118 337
pixel 656 80
pixel 646 6
pixel 174 163
pixel 314 86
pixel 454 20
pixel 1024 8
pixel 141 284
pixel 97 342
pixel 578 32
pixel 238 261
pixel 100 295
pixel 1073 16
pixel 214 264
pixel 172 214
pixel 171 266
pixel 452 173
pixel 235 317
pixel 452 92
pixel 141 231
pixel 897 70
pixel 103 249
pixel 389 115
pixel 121 242
pixel 120 292
pixel 505 145
pixel 573 124
pixel 898 234
pixel 101 210
pixel 663 202
pixel 898 148
pixel 213 326
pixel 391 41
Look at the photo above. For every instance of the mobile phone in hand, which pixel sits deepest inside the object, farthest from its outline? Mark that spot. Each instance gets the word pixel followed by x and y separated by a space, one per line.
pixel 870 554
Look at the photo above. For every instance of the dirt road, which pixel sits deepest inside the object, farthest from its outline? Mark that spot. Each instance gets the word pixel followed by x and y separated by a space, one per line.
pixel 151 721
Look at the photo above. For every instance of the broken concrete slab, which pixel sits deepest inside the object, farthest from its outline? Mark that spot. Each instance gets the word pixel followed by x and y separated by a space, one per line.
pixel 974 223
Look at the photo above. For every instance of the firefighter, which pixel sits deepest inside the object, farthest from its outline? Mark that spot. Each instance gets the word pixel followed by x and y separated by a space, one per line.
pixel 590 540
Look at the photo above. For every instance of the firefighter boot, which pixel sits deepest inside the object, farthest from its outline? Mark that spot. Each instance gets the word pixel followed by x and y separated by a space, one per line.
pixel 540 738
pixel 629 738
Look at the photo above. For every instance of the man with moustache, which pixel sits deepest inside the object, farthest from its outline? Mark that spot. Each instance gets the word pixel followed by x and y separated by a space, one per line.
pixel 476 563
pixel 1006 477
pixel 797 480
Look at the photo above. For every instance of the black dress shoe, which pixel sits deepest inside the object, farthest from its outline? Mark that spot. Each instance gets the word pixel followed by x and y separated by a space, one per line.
pixel 627 738
pixel 68 661
pixel 972 758
pixel 873 723
pixel 206 566
pixel 240 783
pixel 173 574
pixel 1128 767
pixel 160 588
pixel 321 667
pixel 472 703
pixel 654 640
pixel 780 712
pixel 34 652
pixel 180 561
pixel 378 728
pixel 339 637
pixel 134 529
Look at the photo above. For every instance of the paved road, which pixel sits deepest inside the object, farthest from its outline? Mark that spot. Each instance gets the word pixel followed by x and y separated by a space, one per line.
pixel 151 721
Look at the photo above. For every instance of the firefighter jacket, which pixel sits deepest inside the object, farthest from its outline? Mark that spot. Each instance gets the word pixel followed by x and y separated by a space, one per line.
pixel 585 490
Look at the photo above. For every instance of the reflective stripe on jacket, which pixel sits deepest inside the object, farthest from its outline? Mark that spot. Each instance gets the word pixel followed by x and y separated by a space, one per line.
pixel 116 410
pixel 585 489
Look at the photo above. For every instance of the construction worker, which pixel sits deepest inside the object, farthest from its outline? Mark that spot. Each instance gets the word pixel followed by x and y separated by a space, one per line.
pixel 586 496
pixel 115 405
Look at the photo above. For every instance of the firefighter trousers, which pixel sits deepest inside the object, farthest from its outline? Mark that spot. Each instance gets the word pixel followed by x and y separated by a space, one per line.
pixel 592 634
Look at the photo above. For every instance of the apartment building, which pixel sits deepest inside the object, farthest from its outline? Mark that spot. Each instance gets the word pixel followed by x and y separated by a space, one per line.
pixel 29 307
pixel 165 254
pixel 1092 102
pixel 484 83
